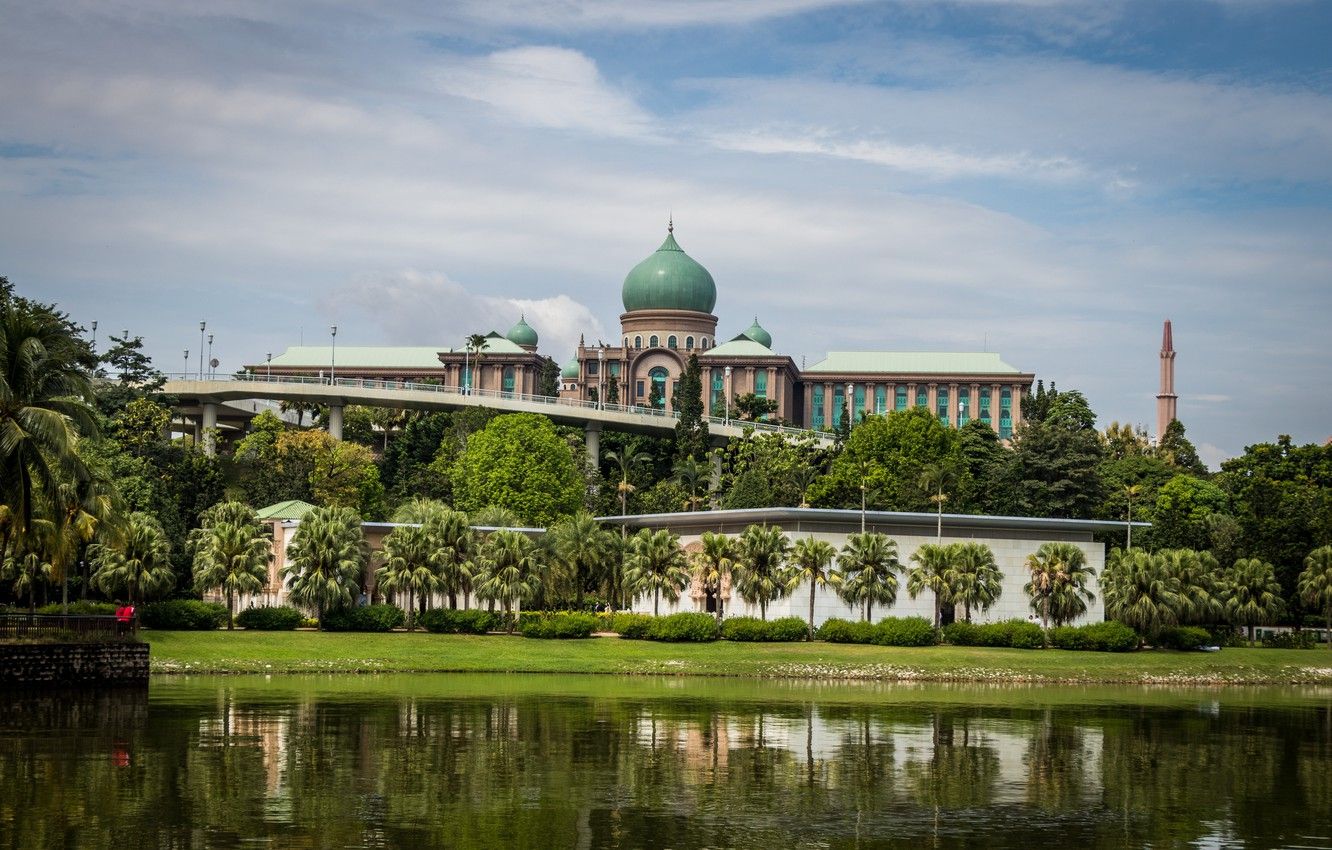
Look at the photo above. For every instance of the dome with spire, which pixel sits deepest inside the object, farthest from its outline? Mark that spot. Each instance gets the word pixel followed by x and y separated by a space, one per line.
pixel 571 370
pixel 758 334
pixel 522 334
pixel 669 279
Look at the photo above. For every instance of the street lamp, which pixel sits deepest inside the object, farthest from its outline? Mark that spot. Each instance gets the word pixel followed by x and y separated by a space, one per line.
pixel 94 338
pixel 728 394
pixel 187 364
pixel 202 327
pixel 850 404
pixel 601 377
pixel 268 373
pixel 333 357
pixel 210 356
pixel 466 379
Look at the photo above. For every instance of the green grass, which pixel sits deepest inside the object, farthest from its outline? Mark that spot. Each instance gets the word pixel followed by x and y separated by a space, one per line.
pixel 313 652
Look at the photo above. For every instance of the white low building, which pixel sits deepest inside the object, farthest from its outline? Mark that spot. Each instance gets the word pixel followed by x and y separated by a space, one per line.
pixel 1012 539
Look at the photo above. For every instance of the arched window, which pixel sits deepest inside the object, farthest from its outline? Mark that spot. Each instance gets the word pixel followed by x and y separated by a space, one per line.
pixel 839 399
pixel 507 386
pixel 941 403
pixel 858 403
pixel 638 342
pixel 654 342
pixel 1005 413
pixel 816 421
pixel 880 399
pixel 672 343
pixel 658 377
pixel 900 397
pixel 922 395
pixel 718 390
pixel 985 405
pixel 761 383
pixel 626 342
pixel 704 346
pixel 689 343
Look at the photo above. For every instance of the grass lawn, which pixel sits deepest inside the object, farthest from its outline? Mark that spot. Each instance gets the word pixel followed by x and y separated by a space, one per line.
pixel 311 652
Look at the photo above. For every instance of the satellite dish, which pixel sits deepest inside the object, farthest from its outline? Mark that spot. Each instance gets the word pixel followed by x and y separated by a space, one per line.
pixel 214 362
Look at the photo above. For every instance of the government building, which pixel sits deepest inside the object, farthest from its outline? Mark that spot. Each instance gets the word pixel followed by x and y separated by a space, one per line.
pixel 668 300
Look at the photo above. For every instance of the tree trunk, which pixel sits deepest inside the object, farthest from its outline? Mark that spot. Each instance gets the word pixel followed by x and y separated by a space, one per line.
pixel 453 600
pixel 1250 635
pixel 1329 628
pixel 811 609
pixel 869 610
pixel 231 611
pixel 763 609
pixel 319 617
pixel 655 593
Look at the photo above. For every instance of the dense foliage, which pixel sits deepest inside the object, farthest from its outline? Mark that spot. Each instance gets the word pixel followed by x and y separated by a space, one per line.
pixel 270 618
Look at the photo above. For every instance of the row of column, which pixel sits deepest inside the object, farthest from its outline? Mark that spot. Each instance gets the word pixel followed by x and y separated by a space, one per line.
pixel 931 404
pixel 742 381
pixel 205 427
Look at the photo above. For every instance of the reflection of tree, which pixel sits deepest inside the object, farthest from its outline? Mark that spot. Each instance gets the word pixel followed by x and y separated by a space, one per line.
pixel 1056 764
pixel 960 774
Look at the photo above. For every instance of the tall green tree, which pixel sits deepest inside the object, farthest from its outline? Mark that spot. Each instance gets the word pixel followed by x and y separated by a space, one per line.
pixel 1181 510
pixel 694 476
pixel 625 463
pixel 1141 592
pixel 233 556
pixel 135 560
pixel 1315 587
pixel 520 461
pixel 1058 584
pixel 587 552
pixel 654 562
pixel 411 567
pixel 812 561
pixel 1053 469
pixel 510 572
pixel 932 571
pixel 1251 594
pixel 1198 577
pixel 869 566
pixel 974 577
pixel 326 560
pixel 886 455
pixel 714 562
pixel 691 431
pixel 761 572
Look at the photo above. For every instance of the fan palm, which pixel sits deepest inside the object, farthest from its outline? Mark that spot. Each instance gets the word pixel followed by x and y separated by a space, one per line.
pixel 233 556
pixel 136 560
pixel 937 479
pixel 1315 585
pixel 510 572
pixel 585 549
pixel 932 571
pixel 456 555
pixel 410 566
pixel 1251 594
pixel 1058 585
pixel 761 572
pixel 655 562
pixel 1140 591
pixel 714 563
pixel 974 576
pixel 1197 576
pixel 626 461
pixel 812 559
pixel 326 559
pixel 869 568
pixel 693 475
pixel 27 568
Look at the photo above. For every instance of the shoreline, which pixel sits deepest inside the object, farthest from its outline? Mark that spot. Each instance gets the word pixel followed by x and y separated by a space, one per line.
pixel 295 653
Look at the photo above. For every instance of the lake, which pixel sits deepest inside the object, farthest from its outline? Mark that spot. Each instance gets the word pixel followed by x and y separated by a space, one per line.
pixel 473 761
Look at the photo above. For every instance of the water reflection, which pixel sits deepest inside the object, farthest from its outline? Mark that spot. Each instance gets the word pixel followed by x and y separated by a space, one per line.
pixel 506 762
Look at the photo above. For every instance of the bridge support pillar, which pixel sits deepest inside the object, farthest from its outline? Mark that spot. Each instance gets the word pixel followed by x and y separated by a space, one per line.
pixel 209 427
pixel 335 421
pixel 592 437
pixel 716 471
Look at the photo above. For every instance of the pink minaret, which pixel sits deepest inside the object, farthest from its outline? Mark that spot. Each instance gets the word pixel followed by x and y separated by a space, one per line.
pixel 1165 399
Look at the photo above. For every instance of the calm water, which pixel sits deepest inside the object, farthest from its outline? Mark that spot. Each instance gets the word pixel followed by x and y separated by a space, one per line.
pixel 523 761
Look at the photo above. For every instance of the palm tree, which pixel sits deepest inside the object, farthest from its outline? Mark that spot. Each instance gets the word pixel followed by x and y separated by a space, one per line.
pixel 811 559
pixel 27 567
pixel 326 559
pixel 975 577
pixel 1141 592
pixel 410 566
pixel 1058 585
pixel 1251 593
pixel 1131 491
pixel 456 555
pixel 936 479
pixel 510 572
pixel 43 413
pixel 233 556
pixel 82 507
pixel 932 571
pixel 714 562
pixel 869 568
pixel 626 461
pixel 693 474
pixel 654 561
pixel 761 573
pixel 803 477
pixel 473 346
pixel 1315 585
pixel 136 560
pixel 1196 575
pixel 584 549
pixel 496 516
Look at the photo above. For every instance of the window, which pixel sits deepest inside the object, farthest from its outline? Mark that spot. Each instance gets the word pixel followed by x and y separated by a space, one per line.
pixel 963 405
pixel 658 377
pixel 638 389
pixel 507 386
pixel 859 398
pixel 638 342
pixel 817 420
pixel 591 367
pixel 704 346
pixel 922 395
pixel 672 343
pixel 941 404
pixel 880 399
pixel 689 343
pixel 1005 413
pixel 614 369
pixel 900 397
pixel 761 383
pixel 839 399
pixel 718 390
pixel 985 406
pixel 654 341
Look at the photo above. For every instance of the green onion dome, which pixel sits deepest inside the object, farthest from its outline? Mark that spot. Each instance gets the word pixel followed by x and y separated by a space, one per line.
pixel 759 335
pixel 670 279
pixel 522 333
pixel 571 370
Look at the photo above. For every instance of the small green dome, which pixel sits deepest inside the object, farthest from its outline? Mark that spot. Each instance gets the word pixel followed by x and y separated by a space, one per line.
pixel 522 333
pixel 670 279
pixel 759 335
pixel 571 369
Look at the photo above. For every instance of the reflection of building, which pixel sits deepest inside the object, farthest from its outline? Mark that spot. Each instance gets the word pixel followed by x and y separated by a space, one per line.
pixel 668 301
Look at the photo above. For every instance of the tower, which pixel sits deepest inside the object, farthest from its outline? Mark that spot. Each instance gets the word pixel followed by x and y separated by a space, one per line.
pixel 1165 399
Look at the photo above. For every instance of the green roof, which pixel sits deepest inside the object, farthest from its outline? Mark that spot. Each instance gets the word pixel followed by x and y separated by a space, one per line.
pixel 741 346
pixel 914 362
pixel 290 509
pixel 669 279
pixel 572 369
pixel 522 333
pixel 758 334
pixel 364 356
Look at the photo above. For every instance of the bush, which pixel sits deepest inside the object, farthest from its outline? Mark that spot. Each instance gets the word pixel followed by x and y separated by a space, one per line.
pixel 1110 636
pixel 279 618
pixel 1225 636
pixel 905 631
pixel 961 633
pixel 1018 634
pixel 754 629
pixel 632 626
pixel 367 618
pixel 788 629
pixel 679 628
pixel 457 622
pixel 559 626
pixel 838 630
pixel 1289 640
pixel 81 608
pixel 184 615
pixel 1021 634
pixel 1187 638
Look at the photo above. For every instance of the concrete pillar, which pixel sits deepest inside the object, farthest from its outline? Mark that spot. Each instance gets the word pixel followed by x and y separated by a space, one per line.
pixel 209 426
pixel 1017 405
pixel 335 421
pixel 932 399
pixel 994 407
pixel 911 396
pixel 592 438
pixel 952 405
pixel 716 472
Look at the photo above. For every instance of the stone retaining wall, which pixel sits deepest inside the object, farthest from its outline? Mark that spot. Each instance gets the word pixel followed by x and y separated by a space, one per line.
pixel 74 663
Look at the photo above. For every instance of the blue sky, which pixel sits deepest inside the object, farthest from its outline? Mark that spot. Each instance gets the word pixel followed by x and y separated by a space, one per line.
pixel 1045 179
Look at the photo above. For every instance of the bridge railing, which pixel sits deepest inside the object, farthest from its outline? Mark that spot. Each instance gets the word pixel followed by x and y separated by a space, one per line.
pixel 473 392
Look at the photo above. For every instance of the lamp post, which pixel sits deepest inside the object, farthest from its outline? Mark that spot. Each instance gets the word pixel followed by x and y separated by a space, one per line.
pixel 202 327
pixel 850 404
pixel 601 377
pixel 210 357
pixel 467 366
pixel 333 356
pixel 187 364
pixel 268 373
pixel 728 394
pixel 94 336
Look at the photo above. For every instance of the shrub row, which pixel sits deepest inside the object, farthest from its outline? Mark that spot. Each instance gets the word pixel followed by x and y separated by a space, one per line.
pixel 1186 638
pixel 1290 640
pixel 559 626
pixel 183 615
pixel 367 618
pixel 80 608
pixel 754 629
pixel 458 622
pixel 276 618
pixel 890 631
pixel 1109 636
pixel 1017 634
pixel 673 628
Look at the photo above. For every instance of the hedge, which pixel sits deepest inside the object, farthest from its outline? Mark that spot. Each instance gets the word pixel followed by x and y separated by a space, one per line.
pixel 890 631
pixel 276 618
pixel 80 608
pixel 837 630
pixel 1290 640
pixel 682 628
pixel 559 626
pixel 367 618
pixel 1184 637
pixel 183 615
pixel 1017 634
pixel 631 626
pixel 754 629
pixel 458 622
pixel 1109 636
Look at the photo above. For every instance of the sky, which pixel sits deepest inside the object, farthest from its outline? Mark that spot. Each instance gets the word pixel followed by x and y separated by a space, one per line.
pixel 1046 179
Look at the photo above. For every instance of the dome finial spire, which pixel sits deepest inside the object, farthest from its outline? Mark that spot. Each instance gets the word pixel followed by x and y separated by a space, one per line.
pixel 670 222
